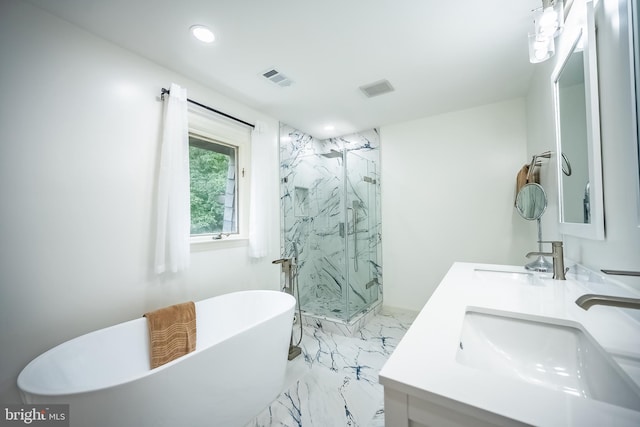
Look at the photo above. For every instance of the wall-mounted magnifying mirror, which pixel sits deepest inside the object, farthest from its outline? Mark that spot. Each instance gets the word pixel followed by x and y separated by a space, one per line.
pixel 531 202
pixel 575 88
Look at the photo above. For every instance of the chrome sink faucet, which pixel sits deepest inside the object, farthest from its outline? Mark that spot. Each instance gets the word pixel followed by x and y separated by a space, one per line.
pixel 586 301
pixel 558 258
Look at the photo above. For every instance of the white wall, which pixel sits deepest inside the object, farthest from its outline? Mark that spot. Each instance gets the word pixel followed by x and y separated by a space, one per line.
pixel 79 143
pixel 448 189
pixel 621 247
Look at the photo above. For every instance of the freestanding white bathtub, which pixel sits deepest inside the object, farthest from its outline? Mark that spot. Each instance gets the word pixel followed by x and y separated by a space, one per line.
pixel 237 369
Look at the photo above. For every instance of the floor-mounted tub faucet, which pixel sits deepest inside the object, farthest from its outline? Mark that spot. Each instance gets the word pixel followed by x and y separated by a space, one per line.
pixel 558 259
pixel 287 268
pixel 290 285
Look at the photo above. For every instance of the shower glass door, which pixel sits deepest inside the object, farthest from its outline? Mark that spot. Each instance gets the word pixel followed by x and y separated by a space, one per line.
pixel 315 230
pixel 330 221
pixel 361 243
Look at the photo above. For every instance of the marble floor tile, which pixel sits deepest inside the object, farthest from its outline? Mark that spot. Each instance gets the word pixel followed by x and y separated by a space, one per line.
pixel 334 382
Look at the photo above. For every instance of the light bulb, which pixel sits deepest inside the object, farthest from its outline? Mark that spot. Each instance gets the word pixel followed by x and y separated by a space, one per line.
pixel 540 48
pixel 540 52
pixel 549 18
pixel 547 23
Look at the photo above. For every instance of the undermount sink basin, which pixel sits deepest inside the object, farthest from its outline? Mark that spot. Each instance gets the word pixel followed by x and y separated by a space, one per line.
pixel 540 351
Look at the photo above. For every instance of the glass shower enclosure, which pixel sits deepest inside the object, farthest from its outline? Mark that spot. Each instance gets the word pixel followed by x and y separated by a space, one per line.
pixel 330 221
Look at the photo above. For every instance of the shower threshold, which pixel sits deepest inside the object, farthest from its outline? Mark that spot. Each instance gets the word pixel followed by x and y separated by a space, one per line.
pixel 342 327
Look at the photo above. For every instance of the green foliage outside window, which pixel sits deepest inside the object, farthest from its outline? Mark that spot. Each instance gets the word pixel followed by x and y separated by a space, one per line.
pixel 209 171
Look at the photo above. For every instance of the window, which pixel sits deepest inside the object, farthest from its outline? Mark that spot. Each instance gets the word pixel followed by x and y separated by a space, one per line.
pixel 213 171
pixel 218 152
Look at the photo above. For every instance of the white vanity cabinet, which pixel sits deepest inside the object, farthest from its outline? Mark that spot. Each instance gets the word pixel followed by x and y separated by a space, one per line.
pixel 498 345
pixel 404 409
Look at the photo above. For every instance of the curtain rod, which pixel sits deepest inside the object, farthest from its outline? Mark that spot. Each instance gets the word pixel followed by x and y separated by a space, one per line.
pixel 164 92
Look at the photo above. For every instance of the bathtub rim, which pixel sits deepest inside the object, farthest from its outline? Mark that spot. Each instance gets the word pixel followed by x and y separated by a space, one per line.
pixel 77 391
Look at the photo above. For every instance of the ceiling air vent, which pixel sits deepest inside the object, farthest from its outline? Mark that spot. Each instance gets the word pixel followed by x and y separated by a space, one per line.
pixel 277 77
pixel 377 88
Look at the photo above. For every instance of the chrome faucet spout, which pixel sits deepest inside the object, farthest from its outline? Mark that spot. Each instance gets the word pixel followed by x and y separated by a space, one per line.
pixel 530 254
pixel 558 259
pixel 588 300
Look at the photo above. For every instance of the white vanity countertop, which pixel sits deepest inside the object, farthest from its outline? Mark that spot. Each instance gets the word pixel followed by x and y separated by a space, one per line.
pixel 424 363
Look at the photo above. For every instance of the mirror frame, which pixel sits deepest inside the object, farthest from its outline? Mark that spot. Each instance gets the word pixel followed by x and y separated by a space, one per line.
pixel 634 62
pixel 585 32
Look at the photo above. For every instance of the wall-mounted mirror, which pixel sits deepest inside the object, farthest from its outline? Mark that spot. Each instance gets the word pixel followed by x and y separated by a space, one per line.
pixel 575 88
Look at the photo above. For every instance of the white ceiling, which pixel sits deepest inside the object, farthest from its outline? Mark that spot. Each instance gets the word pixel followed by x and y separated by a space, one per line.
pixel 439 55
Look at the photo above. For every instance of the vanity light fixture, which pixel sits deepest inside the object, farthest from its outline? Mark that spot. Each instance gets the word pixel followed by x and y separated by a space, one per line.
pixel 540 48
pixel 548 24
pixel 202 33
pixel 551 21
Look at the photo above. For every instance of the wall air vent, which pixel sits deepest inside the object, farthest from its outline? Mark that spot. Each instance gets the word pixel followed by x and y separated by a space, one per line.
pixel 277 77
pixel 377 88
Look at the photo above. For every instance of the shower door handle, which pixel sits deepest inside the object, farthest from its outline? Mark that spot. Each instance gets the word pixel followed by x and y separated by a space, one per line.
pixel 354 217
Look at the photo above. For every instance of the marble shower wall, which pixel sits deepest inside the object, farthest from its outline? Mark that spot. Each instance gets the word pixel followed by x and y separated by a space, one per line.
pixel 339 272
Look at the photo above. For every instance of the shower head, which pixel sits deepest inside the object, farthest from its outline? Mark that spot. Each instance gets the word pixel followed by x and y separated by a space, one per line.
pixel 332 154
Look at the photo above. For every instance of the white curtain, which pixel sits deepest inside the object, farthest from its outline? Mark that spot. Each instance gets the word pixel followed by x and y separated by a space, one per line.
pixel 258 206
pixel 174 212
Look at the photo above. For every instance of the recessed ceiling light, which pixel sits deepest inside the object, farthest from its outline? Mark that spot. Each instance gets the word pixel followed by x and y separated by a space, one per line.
pixel 202 33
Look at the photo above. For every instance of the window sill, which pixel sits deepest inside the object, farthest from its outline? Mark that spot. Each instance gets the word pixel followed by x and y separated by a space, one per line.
pixel 203 243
